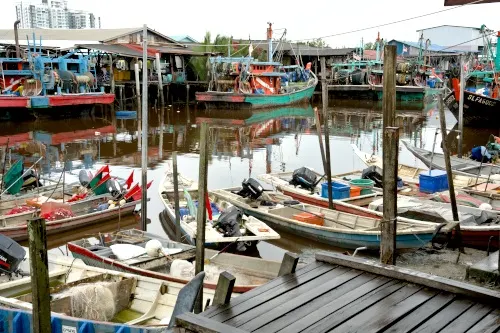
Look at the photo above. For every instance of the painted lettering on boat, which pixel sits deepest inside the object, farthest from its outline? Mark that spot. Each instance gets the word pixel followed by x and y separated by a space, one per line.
pixel 481 100
pixel 68 329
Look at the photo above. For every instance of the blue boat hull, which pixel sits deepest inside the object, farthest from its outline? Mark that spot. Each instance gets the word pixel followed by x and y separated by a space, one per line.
pixel 341 239
pixel 19 321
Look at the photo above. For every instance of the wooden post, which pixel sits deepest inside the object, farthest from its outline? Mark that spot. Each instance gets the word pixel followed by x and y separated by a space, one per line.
pixel 201 217
pixel 138 97
pixel 39 275
pixel 289 263
pixel 324 98
pixel 224 289
pixel 176 197
pixel 320 138
pixel 461 106
pixel 390 158
pixel 449 173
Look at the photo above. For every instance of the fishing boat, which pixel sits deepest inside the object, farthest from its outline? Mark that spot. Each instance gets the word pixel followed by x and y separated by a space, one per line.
pixel 246 83
pixel 103 251
pixel 460 166
pixel 38 82
pixel 65 216
pixel 481 102
pixel 410 174
pixel 331 227
pixel 243 233
pixel 92 299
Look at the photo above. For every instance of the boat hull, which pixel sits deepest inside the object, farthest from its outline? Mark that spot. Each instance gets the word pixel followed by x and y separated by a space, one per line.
pixel 45 102
pixel 253 101
pixel 478 110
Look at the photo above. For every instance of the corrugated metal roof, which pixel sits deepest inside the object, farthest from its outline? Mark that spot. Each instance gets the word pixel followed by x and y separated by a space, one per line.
pixel 117 49
pixel 432 47
pixel 97 35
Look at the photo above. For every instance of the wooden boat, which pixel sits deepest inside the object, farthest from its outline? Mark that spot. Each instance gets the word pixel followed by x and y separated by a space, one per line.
pixel 460 166
pixel 410 174
pixel 478 109
pixel 97 251
pixel 251 84
pixel 332 227
pixel 86 299
pixel 10 201
pixel 85 211
pixel 252 229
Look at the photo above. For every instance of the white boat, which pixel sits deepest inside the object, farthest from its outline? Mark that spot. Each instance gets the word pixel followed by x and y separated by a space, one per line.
pixel 251 231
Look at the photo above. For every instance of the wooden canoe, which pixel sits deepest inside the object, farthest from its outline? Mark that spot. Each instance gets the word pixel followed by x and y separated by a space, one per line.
pixel 249 272
pixel 339 228
pixel 254 229
pixel 142 305
pixel 85 211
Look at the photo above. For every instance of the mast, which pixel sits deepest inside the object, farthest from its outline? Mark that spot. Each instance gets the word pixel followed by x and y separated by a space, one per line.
pixel 377 58
pixel 497 56
pixel 270 42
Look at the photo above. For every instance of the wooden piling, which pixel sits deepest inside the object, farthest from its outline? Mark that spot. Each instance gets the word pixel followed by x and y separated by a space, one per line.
pixel 39 275
pixel 289 263
pixel 224 289
pixel 176 197
pixel 449 173
pixel 390 158
pixel 201 216
pixel 461 106
pixel 320 138
pixel 324 99
pixel 144 145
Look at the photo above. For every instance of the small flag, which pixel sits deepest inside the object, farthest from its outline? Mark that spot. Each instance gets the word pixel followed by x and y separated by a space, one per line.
pixel 130 180
pixel 209 208
pixel 405 49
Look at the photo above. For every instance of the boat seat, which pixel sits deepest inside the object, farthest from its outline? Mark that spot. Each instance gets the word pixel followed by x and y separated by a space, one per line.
pixel 187 297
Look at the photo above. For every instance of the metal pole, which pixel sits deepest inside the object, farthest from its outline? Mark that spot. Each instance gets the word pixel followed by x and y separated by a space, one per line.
pixel 176 197
pixel 144 149
pixel 461 106
pixel 433 148
pixel 139 111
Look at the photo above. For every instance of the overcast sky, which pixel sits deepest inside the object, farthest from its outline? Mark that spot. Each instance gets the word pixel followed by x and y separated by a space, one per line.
pixel 241 19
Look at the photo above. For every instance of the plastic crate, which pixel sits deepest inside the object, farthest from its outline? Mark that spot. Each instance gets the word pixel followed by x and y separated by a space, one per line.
pixel 366 185
pixel 339 190
pixel 355 191
pixel 316 219
pixel 433 181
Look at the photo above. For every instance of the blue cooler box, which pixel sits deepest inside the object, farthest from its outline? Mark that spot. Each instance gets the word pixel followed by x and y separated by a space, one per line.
pixel 433 181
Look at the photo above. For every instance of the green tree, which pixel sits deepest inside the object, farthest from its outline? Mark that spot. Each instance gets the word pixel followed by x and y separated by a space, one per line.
pixel 369 46
pixel 318 42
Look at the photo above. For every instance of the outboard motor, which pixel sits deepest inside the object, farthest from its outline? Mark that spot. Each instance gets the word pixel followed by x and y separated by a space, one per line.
pixel 250 188
pixel 84 178
pixel 375 173
pixel 30 180
pixel 114 188
pixel 305 178
pixel 11 255
pixel 229 222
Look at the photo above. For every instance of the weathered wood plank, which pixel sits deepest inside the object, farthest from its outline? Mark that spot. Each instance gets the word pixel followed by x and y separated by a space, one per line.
pixel 468 319
pixel 421 314
pixel 202 324
pixel 224 289
pixel 284 283
pixel 489 324
pixel 485 295
pixel 353 297
pixel 279 307
pixel 289 263
pixel 237 316
pixel 383 313
pixel 301 311
pixel 444 317
pixel 264 289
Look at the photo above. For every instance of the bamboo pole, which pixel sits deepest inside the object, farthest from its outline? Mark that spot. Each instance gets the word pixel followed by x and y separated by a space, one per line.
pixel 390 158
pixel 138 96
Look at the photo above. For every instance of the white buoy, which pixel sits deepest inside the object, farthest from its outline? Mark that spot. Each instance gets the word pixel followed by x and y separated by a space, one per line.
pixel 153 248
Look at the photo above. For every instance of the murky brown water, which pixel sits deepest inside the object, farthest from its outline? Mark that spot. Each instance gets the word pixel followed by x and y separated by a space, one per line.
pixel 242 144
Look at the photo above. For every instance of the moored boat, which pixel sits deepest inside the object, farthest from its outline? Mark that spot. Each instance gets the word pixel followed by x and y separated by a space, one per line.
pixel 226 227
pixel 245 83
pixel 331 227
pixel 102 251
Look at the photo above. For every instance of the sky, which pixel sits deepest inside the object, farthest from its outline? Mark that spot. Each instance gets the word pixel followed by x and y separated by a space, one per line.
pixel 241 20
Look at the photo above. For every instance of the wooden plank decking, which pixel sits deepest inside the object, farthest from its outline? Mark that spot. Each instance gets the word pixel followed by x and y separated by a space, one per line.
pixel 344 294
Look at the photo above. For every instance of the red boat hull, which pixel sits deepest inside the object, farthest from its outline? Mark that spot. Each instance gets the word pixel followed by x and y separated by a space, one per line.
pixel 54 101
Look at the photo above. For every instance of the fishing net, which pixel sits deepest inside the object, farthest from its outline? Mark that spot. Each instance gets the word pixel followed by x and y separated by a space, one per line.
pixel 20 209
pixel 92 301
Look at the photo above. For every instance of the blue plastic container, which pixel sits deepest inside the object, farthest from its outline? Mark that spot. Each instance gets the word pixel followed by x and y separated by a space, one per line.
pixel 431 83
pixel 433 181
pixel 339 190
pixel 183 211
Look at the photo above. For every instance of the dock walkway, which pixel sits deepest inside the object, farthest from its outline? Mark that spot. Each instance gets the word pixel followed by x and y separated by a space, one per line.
pixel 339 293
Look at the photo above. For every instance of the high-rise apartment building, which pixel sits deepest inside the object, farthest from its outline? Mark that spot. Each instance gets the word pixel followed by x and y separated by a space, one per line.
pixel 53 14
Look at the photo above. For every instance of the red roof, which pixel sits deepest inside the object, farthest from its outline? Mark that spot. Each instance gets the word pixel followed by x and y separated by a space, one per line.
pixel 151 51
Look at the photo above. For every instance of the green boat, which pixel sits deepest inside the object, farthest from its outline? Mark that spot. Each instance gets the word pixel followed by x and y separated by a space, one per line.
pixel 245 83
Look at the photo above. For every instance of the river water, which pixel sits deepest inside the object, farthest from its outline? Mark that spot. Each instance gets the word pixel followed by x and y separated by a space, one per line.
pixel 241 145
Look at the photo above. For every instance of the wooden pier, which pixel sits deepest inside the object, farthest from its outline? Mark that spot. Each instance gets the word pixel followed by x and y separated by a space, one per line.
pixel 339 293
